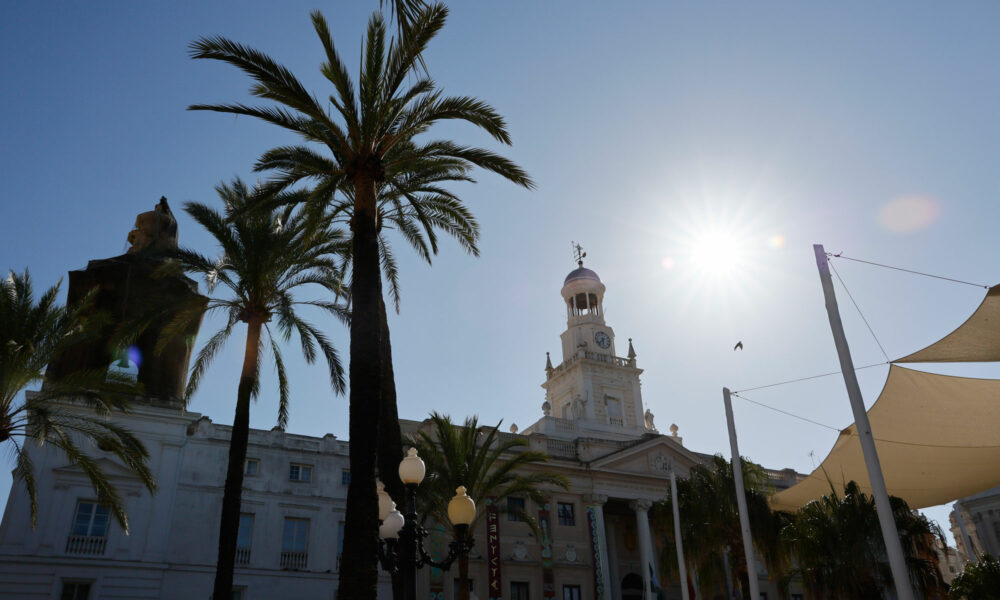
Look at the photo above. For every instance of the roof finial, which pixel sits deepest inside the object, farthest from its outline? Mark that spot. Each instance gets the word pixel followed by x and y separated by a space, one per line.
pixel 579 253
pixel 631 350
pixel 548 362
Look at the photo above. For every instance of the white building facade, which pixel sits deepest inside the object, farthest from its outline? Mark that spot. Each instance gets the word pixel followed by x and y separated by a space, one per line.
pixel 291 527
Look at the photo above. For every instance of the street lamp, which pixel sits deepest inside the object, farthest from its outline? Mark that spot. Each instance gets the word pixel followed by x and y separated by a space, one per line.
pixel 401 543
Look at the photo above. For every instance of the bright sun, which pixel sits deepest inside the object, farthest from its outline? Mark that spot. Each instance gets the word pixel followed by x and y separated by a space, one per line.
pixel 717 253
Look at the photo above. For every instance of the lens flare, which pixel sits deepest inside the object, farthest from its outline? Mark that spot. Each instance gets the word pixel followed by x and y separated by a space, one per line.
pixel 909 214
pixel 776 241
pixel 668 263
pixel 134 355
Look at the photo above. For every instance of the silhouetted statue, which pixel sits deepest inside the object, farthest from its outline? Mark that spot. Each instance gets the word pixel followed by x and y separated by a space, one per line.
pixel 154 230
pixel 129 287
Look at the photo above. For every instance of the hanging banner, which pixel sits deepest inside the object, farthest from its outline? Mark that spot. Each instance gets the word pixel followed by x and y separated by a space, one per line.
pixel 436 537
pixel 595 547
pixel 548 576
pixel 495 589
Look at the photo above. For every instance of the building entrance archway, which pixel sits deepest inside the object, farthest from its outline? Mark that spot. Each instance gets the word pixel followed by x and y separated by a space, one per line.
pixel 632 587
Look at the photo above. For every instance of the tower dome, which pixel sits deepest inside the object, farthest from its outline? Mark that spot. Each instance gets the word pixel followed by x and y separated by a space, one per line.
pixel 583 292
pixel 581 273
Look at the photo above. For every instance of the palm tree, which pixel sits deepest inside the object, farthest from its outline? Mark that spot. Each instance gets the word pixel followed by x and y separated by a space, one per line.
pixel 488 464
pixel 711 528
pixel 370 139
pixel 266 257
pixel 417 207
pixel 839 551
pixel 31 335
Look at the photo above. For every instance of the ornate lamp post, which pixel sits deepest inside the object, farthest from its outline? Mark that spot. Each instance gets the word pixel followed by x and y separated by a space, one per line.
pixel 401 547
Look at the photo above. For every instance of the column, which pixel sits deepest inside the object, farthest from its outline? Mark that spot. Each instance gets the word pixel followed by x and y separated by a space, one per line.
pixel 599 544
pixel 641 507
pixel 614 571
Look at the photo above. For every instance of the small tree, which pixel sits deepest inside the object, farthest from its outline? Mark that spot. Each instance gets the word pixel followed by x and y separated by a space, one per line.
pixel 31 335
pixel 710 525
pixel 488 464
pixel 979 581
pixel 837 545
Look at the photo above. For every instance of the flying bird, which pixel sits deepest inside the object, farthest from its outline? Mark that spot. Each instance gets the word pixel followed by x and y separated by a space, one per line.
pixel 738 346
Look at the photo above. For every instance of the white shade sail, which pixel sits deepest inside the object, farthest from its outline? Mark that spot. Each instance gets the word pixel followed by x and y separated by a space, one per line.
pixel 976 340
pixel 937 436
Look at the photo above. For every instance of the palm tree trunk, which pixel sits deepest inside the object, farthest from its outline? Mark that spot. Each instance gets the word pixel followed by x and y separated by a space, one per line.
pixel 389 449
pixel 463 577
pixel 359 571
pixel 390 440
pixel 231 498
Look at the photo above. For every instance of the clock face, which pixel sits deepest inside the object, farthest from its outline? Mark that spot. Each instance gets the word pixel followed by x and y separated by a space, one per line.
pixel 603 340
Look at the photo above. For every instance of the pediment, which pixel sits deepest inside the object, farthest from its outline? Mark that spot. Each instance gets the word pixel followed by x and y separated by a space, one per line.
pixel 654 457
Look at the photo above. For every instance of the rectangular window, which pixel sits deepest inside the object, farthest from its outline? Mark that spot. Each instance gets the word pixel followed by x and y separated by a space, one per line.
pixel 345 477
pixel 298 472
pixel 519 590
pixel 246 531
pixel 763 596
pixel 565 513
pixel 75 590
pixel 571 592
pixel 252 467
pixel 239 593
pixel 796 596
pixel 454 588
pixel 91 519
pixel 296 535
pixel 295 544
pixel 514 505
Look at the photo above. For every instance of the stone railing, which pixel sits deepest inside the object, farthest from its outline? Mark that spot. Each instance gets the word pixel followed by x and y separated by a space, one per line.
pixel 616 421
pixel 561 449
pixel 618 361
pixel 243 556
pixel 294 560
pixel 90 545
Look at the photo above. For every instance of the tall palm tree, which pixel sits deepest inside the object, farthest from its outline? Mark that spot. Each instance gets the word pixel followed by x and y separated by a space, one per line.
pixel 416 206
pixel 361 141
pixel 488 464
pixel 710 526
pixel 266 258
pixel 31 335
pixel 839 551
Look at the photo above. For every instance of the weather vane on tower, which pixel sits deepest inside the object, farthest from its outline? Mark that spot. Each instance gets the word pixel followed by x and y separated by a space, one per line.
pixel 579 253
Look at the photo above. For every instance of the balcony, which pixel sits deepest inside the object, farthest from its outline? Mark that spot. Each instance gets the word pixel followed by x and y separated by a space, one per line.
pixel 617 421
pixel 294 561
pixel 88 545
pixel 243 556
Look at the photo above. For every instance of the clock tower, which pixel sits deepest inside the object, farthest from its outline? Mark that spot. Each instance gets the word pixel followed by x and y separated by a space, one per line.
pixel 593 385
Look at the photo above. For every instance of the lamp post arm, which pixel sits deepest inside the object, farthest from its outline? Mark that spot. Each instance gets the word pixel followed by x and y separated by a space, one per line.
pixel 459 546
pixel 387 556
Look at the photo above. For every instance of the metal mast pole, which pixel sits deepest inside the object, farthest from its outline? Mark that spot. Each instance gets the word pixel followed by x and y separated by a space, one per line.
pixel 890 535
pixel 677 534
pixel 741 500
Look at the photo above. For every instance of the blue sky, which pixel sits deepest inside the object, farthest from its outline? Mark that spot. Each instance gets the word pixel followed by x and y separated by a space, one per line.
pixel 657 133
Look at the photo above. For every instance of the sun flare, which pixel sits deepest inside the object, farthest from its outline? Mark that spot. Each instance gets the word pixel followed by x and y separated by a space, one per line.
pixel 716 253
